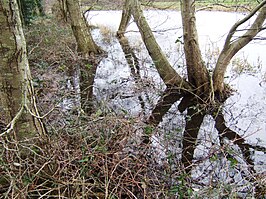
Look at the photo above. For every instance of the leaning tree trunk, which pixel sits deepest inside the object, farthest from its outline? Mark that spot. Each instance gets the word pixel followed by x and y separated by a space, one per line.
pixel 17 103
pixel 166 71
pixel 232 47
pixel 174 82
pixel 87 49
pixel 85 42
pixel 126 16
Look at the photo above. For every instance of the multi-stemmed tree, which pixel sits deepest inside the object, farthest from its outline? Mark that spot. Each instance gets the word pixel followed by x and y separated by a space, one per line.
pixel 203 92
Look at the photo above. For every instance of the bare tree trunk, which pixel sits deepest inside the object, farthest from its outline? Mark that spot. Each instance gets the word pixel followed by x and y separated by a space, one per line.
pixel 63 9
pixel 201 93
pixel 130 55
pixel 164 68
pixel 87 49
pixel 197 72
pixel 126 16
pixel 17 103
pixel 86 44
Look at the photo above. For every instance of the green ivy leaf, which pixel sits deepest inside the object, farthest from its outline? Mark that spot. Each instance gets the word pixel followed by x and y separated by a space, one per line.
pixel 233 161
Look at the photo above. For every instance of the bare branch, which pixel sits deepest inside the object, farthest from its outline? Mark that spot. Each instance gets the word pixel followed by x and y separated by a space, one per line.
pixel 10 127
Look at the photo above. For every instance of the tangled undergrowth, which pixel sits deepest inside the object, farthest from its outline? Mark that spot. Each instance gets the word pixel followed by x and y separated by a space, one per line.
pixel 103 158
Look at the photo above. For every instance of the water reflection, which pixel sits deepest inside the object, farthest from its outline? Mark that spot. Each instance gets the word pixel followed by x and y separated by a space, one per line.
pixel 134 65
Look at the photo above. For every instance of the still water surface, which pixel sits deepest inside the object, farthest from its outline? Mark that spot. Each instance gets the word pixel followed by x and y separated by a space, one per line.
pixel 247 105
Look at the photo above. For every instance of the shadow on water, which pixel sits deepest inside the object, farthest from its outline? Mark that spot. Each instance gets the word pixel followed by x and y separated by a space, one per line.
pixel 81 74
pixel 87 75
pixel 168 98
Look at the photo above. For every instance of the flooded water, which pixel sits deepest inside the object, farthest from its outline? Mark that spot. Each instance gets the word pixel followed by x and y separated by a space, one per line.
pixel 115 84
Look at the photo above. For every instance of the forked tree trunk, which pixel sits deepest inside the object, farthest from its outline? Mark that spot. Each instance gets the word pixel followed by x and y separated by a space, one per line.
pixel 16 90
pixel 199 99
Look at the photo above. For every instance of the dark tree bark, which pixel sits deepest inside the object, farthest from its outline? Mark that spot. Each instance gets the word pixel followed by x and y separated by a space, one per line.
pixel 193 123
